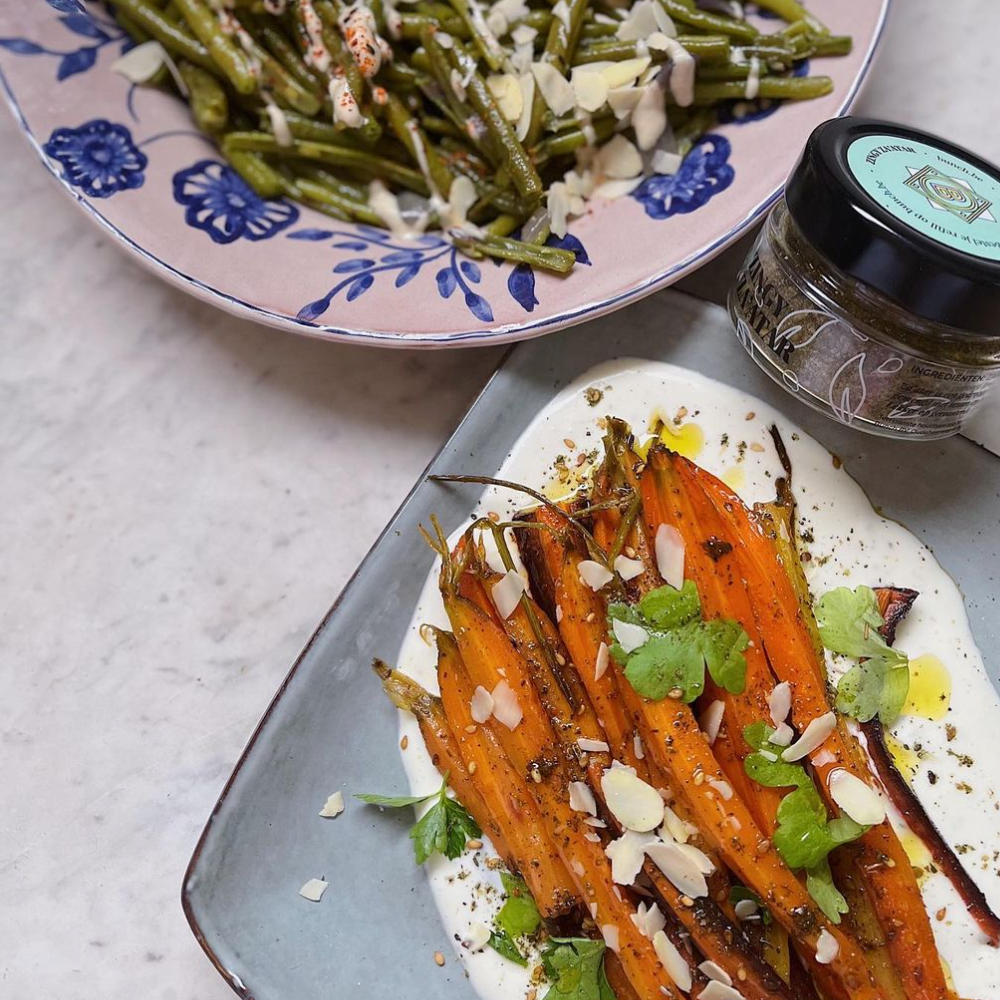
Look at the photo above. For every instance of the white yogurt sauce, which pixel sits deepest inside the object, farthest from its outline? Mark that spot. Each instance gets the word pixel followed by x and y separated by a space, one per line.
pixel 851 545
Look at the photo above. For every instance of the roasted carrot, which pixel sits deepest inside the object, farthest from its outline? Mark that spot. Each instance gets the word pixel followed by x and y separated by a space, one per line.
pixel 530 852
pixel 533 749
pixel 891 882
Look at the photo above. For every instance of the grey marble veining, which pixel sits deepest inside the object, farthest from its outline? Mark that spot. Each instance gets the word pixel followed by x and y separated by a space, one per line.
pixel 182 495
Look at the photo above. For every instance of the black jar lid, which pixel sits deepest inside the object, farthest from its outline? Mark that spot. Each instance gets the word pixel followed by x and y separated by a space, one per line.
pixel 910 215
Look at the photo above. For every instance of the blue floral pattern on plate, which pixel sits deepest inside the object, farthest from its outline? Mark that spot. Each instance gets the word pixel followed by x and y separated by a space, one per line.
pixel 704 173
pixel 99 157
pixel 80 22
pixel 521 281
pixel 219 202
pixel 383 255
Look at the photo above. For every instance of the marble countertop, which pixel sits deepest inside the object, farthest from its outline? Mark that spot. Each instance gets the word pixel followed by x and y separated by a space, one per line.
pixel 182 495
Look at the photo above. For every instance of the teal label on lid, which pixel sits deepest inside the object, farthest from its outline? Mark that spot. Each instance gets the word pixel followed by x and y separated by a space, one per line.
pixel 941 196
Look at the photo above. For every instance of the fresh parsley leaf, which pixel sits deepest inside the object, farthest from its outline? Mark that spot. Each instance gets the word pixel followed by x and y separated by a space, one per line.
pixel 443 829
pixel 849 623
pixel 820 885
pixel 805 836
pixel 680 646
pixel 740 892
pixel 502 944
pixel 519 915
pixel 576 968
pixel 667 608
pixel 772 773
pixel 394 801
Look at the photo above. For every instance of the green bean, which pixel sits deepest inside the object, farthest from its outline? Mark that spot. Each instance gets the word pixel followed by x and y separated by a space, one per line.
pixel 209 104
pixel 482 37
pixel 709 50
pixel 413 137
pixel 550 258
pixel 791 11
pixel 334 156
pixel 282 84
pixel 324 199
pixel 439 126
pixel 713 23
pixel 503 225
pixel 167 32
pixel 597 29
pixel 251 166
pixel 796 88
pixel 228 57
pixel 345 188
pixel 832 45
pixel 572 140
pixel 410 26
pixel 288 55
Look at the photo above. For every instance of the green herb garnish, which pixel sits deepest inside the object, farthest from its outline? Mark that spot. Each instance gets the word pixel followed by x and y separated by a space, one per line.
pixel 504 945
pixel 849 623
pixel 519 915
pixel 680 646
pixel 575 967
pixel 805 834
pixel 443 829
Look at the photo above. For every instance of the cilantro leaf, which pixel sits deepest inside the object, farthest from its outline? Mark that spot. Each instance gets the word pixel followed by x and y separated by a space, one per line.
pixel 443 829
pixel 680 646
pixel 394 801
pixel 576 968
pixel 804 836
pixel 820 885
pixel 772 773
pixel 519 915
pixel 503 944
pixel 667 608
pixel 849 621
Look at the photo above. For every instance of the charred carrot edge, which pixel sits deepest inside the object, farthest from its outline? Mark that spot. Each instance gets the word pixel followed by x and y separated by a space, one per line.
pixel 533 750
pixel 711 931
pixel 894 604
pixel 503 791
pixel 891 882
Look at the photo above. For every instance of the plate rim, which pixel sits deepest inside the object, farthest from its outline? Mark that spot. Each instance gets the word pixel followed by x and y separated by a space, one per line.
pixel 505 333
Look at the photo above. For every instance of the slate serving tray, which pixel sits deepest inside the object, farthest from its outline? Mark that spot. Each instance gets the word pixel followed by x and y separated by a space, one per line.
pixel 328 727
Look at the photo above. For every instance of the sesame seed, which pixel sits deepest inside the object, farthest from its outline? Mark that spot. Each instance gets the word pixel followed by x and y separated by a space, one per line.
pixel 756 446
pixel 687 901
pixel 674 693
pixel 560 659
pixel 470 729
pixel 699 777
pixel 590 617
pixel 570 443
pixel 493 516
pixel 741 974
pixel 940 915
pixel 404 742
pixel 473 767
pixel 473 845
pixel 629 551
pixel 438 958
pixel 751 415
pixel 580 459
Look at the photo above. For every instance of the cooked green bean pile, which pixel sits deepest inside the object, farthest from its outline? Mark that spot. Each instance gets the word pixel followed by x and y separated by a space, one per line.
pixel 482 119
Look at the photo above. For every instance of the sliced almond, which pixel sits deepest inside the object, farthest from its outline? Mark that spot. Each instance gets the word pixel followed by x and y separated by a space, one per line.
pixel 507 91
pixel 581 798
pixel 716 972
pixel 507 592
pixel 630 636
pixel 629 569
pixel 592 746
pixel 779 702
pixel 313 890
pixel 711 720
pixel 627 854
pixel 635 804
pixel 603 658
pixel 681 869
pixel 673 961
pixel 555 88
pixel 827 947
pixel 334 806
pixel 506 708
pixel 816 734
pixel 669 547
pixel 592 573
pixel 857 798
pixel 481 706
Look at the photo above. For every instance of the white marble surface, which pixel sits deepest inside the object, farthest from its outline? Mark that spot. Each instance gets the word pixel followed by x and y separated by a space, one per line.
pixel 182 495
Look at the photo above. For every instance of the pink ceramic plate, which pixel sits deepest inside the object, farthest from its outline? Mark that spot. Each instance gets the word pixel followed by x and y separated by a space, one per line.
pixel 132 161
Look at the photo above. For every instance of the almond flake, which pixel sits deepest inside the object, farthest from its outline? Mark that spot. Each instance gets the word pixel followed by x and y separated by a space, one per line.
pixel 590 87
pixel 745 909
pixel 724 789
pixel 815 735
pixel 670 555
pixel 507 593
pixel 639 23
pixel 141 63
pixel 601 666
pixel 716 972
pixel 629 569
pixel 555 88
pixel 624 72
pixel 627 854
pixel 827 947
pixel 610 931
pixel 581 798
pixel 593 574
pixel 594 838
pixel 673 961
pixel 649 119
pixel 630 637
pixel 598 824
pixel 700 858
pixel 313 890
pixel 481 707
pixel 527 84
pixel 711 720
pixel 823 758
pixel 666 163
pixel 635 804
pixel 719 991
pixel 334 806
pixel 767 755
pixel 782 736
pixel 674 828
pixel 613 190
pixel 479 937
pixel 648 919
pixel 506 708
pixel 640 753
pixel 857 798
pixel 780 702
pixel 592 746
pixel 679 867
pixel 623 100
pixel 620 160
pixel 507 91
pixel 523 34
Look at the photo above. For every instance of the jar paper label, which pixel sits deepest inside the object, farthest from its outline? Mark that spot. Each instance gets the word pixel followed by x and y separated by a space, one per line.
pixel 942 197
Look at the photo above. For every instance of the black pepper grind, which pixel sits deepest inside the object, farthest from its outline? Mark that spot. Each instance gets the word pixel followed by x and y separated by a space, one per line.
pixel 873 290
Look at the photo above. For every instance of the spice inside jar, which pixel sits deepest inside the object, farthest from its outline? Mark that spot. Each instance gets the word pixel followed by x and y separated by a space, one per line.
pixel 873 290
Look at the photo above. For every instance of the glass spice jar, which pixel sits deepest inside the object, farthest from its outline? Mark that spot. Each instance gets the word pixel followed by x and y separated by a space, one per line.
pixel 873 290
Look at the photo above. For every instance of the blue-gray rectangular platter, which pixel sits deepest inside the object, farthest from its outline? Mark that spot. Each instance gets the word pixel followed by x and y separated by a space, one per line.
pixel 329 727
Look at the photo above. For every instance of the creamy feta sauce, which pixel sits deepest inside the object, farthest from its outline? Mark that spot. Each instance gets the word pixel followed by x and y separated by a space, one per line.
pixel 726 431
